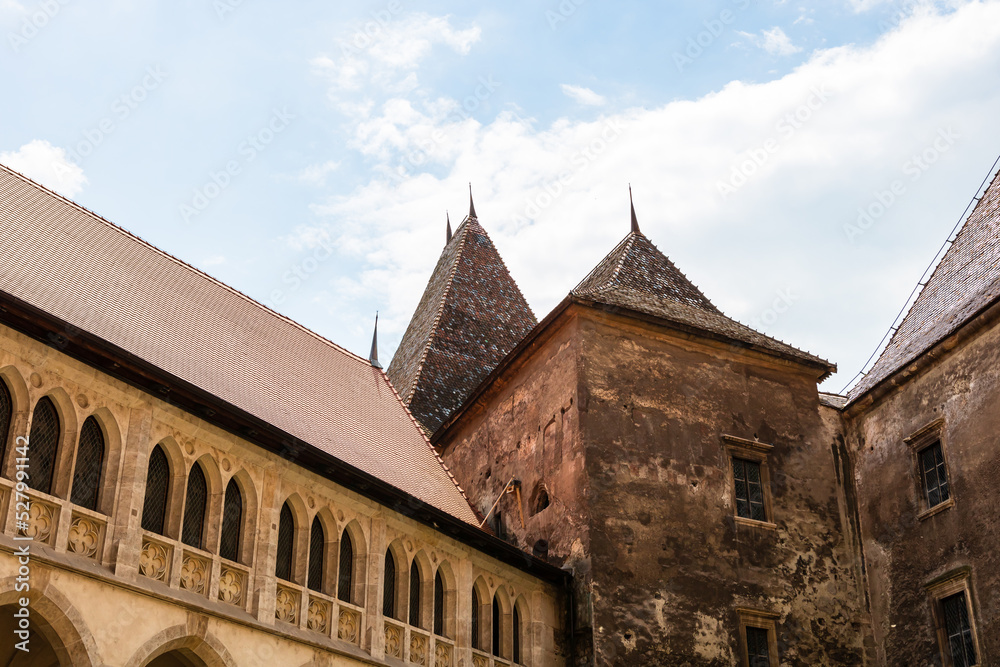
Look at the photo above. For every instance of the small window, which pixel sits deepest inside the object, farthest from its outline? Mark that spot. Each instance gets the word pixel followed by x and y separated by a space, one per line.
pixel 497 628
pixel 414 595
pixel 758 654
pixel 89 461
pixel 517 636
pixel 43 443
pixel 934 476
pixel 749 490
pixel 389 586
pixel 317 548
pixel 475 619
pixel 758 633
pixel 286 544
pixel 958 630
pixel 232 522
pixel 154 506
pixel 345 577
pixel 438 604
pixel 194 508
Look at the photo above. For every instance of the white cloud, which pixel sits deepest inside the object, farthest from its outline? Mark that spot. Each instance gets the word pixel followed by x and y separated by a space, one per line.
pixel 773 41
pixel 316 174
pixel 47 164
pixel 821 142
pixel 584 95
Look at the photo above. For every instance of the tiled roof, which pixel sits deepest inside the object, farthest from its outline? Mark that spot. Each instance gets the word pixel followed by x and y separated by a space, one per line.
pixel 76 266
pixel 637 276
pixel 470 316
pixel 966 280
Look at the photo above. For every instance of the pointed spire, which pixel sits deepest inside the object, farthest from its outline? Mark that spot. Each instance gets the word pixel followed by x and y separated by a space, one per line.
pixel 373 355
pixel 447 239
pixel 472 205
pixel 635 221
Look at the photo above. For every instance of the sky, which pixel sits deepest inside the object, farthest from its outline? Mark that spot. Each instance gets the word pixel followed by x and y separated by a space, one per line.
pixel 801 162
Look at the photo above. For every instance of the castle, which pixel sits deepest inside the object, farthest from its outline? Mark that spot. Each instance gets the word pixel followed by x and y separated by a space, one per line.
pixel 188 478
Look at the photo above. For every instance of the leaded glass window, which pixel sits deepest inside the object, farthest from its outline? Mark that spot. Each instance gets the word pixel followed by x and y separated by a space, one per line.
pixel 317 550
pixel 956 622
pixel 6 412
pixel 497 626
pixel 389 586
pixel 935 478
pixel 749 490
pixel 286 543
pixel 475 618
pixel 517 636
pixel 345 574
pixel 89 461
pixel 193 531
pixel 232 522
pixel 438 604
pixel 414 594
pixel 43 442
pixel 154 506
pixel 758 651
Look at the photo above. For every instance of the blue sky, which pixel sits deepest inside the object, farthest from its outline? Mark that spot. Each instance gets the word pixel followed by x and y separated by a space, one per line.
pixel 800 161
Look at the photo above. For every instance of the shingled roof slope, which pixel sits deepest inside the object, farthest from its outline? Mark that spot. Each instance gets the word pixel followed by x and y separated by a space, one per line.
pixel 470 316
pixel 966 280
pixel 76 266
pixel 637 276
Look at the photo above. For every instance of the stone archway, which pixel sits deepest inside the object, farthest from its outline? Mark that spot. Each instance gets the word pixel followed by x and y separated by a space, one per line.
pixel 41 651
pixel 182 646
pixel 59 636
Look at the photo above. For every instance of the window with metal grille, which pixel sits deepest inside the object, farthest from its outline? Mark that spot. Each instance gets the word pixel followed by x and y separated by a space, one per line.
pixel 6 412
pixel 232 522
pixel 935 479
pixel 757 647
pixel 749 490
pixel 89 461
pixel 154 506
pixel 961 646
pixel 414 595
pixel 286 544
pixel 345 575
pixel 43 442
pixel 497 626
pixel 438 604
pixel 389 586
pixel 317 551
pixel 193 531
pixel 475 618
pixel 517 636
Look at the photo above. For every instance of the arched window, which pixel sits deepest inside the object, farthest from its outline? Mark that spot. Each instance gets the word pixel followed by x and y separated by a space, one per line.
pixel 317 549
pixel 475 619
pixel 517 636
pixel 232 522
pixel 286 542
pixel 389 586
pixel 438 604
pixel 497 627
pixel 154 507
pixel 414 594
pixel 345 575
pixel 43 442
pixel 195 501
pixel 6 412
pixel 89 461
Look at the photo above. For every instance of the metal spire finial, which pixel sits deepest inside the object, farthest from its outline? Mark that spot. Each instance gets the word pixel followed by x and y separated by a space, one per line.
pixel 447 238
pixel 635 221
pixel 373 355
pixel 472 205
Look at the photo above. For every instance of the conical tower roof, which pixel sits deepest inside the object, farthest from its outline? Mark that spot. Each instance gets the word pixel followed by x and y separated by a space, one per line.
pixel 470 316
pixel 965 281
pixel 637 277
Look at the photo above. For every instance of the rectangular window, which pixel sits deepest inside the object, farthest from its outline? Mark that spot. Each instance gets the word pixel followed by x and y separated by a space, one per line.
pixel 961 644
pixel 757 647
pixel 934 475
pixel 749 490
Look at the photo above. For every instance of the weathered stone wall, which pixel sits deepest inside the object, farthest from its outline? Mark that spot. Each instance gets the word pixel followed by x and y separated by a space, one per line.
pixel 903 552
pixel 95 578
pixel 671 564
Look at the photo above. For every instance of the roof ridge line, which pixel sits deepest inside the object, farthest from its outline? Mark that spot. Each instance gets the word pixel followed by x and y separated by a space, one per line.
pixel 629 242
pixel 121 230
pixel 507 270
pixel 427 440
pixel 601 261
pixel 691 282
pixel 462 230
